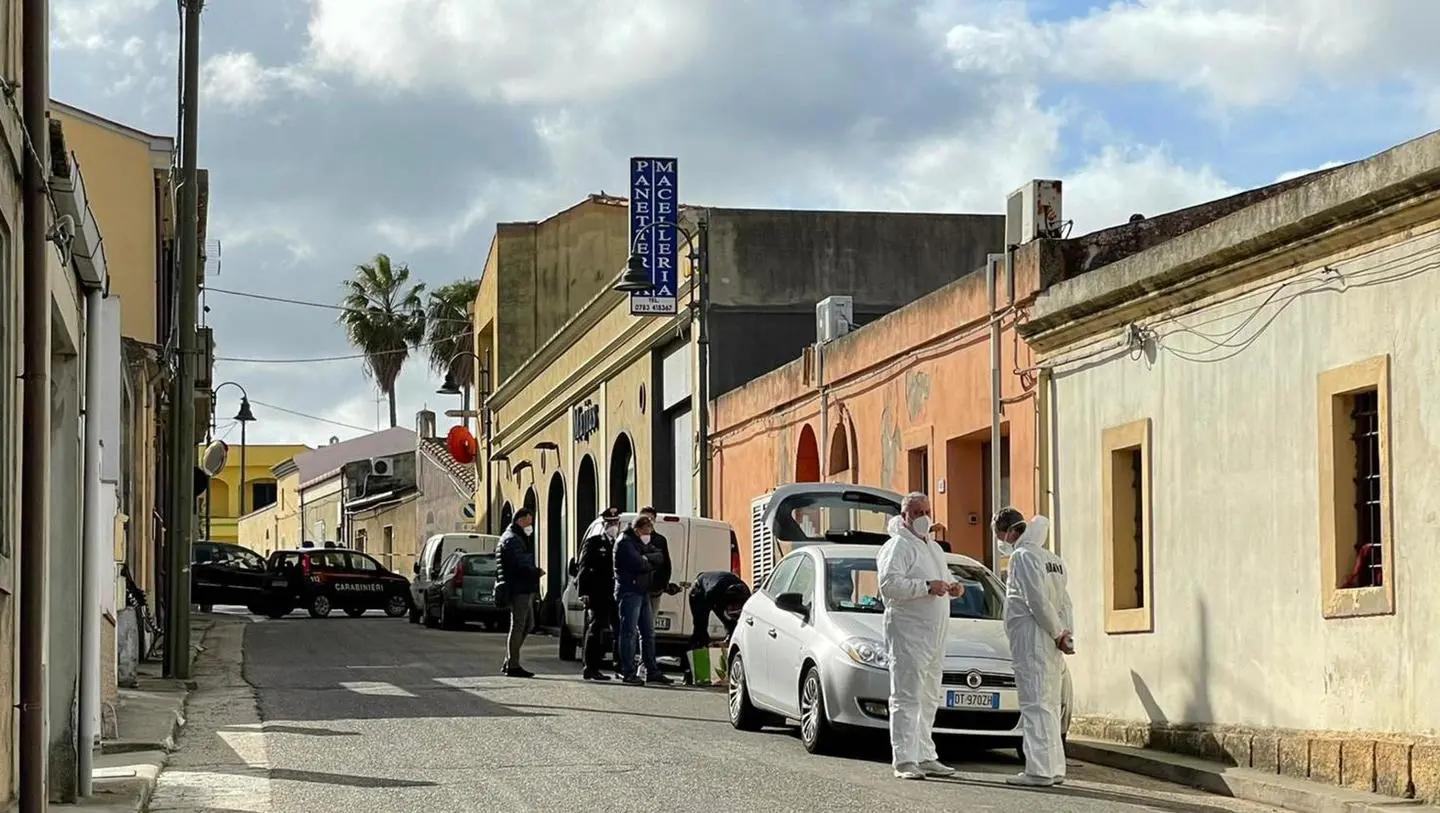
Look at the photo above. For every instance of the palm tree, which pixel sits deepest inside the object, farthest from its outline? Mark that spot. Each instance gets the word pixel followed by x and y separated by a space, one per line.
pixel 384 318
pixel 451 332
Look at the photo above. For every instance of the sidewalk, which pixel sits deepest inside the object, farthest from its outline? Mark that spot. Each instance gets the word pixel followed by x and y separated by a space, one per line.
pixel 1300 795
pixel 148 719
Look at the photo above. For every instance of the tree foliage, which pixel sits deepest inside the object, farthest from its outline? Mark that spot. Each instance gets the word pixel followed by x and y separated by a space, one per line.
pixel 384 319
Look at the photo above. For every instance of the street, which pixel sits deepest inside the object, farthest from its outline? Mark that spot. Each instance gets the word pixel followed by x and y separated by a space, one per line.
pixel 374 714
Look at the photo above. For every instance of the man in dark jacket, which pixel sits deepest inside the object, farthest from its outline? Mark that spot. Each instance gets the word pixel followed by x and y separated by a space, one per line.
pixel 635 565
pixel 717 592
pixel 516 583
pixel 661 584
pixel 595 582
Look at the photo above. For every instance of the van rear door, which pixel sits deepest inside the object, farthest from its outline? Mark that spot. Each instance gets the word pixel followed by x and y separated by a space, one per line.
pixel 670 620
pixel 709 549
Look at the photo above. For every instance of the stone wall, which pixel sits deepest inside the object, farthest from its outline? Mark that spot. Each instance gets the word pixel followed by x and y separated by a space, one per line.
pixel 1400 766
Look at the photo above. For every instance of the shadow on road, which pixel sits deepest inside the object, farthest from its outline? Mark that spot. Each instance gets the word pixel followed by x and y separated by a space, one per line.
pixel 1143 800
pixel 293 729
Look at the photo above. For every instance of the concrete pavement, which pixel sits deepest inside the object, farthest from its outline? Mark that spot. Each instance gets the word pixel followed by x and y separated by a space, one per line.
pixel 376 714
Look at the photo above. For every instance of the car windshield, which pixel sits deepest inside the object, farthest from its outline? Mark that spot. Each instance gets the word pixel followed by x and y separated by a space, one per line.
pixel 481 564
pixel 852 585
pixel 849 516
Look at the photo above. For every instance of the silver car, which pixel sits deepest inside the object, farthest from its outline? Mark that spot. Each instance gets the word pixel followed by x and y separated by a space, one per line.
pixel 810 646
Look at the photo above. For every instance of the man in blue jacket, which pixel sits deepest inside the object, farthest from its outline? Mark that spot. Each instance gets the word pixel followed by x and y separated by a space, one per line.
pixel 635 565
pixel 516 583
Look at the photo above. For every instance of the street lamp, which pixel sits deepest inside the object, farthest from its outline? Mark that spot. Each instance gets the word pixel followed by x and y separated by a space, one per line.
pixel 243 416
pixel 636 278
pixel 450 387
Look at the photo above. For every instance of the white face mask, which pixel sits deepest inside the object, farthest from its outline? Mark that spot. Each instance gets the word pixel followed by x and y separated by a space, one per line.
pixel 1006 548
pixel 612 531
pixel 645 538
pixel 529 530
pixel 921 526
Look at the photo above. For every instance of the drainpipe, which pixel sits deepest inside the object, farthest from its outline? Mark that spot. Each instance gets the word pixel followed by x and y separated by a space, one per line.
pixel 35 446
pixel 990 283
pixel 824 411
pixel 92 551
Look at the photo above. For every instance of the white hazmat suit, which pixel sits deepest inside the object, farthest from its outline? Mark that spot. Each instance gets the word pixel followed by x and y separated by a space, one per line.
pixel 1038 611
pixel 916 624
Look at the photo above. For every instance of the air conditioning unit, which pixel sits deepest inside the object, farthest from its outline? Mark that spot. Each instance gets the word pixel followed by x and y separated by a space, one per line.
pixel 834 317
pixel 762 542
pixel 1033 212
pixel 382 466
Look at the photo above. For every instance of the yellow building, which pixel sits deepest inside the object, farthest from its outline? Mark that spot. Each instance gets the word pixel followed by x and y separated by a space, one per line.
pixel 127 185
pixel 275 526
pixel 220 507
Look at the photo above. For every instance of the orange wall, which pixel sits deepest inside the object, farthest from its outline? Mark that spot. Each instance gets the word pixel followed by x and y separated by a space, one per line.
pixel 916 381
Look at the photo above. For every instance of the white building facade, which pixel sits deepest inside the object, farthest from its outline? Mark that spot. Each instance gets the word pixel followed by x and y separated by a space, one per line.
pixel 1240 450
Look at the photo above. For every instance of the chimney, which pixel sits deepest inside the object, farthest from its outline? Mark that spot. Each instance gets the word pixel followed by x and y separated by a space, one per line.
pixel 425 424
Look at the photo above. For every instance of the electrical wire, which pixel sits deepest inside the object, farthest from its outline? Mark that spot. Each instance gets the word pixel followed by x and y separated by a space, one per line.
pixel 321 359
pixel 309 304
pixel 309 417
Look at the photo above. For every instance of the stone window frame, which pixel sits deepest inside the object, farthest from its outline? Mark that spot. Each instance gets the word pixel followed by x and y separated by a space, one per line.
pixel 1119 439
pixel 1336 490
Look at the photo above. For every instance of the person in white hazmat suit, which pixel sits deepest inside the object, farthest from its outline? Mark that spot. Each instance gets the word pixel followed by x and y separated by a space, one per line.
pixel 916 585
pixel 1038 623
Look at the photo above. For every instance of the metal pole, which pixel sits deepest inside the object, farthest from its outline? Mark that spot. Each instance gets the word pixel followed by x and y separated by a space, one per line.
pixel 35 448
pixel 990 282
pixel 702 350
pixel 92 551
pixel 177 638
pixel 242 470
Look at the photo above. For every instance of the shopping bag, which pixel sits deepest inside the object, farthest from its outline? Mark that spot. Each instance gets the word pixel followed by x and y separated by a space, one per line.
pixel 707 666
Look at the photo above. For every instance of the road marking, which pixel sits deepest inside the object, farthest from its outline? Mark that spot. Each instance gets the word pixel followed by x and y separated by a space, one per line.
pixel 375 688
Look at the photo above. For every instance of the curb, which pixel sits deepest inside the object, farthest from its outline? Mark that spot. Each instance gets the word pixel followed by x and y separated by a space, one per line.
pixel 1300 795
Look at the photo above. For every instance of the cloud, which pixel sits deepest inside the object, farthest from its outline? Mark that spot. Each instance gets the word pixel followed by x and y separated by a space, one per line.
pixel 336 129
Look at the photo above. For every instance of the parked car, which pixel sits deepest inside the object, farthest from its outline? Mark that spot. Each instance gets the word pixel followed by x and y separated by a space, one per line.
pixel 465 593
pixel 810 647
pixel 429 564
pixel 325 579
pixel 227 574
pixel 696 545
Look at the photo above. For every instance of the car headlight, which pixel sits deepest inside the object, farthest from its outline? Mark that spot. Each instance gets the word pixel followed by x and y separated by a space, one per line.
pixel 867 652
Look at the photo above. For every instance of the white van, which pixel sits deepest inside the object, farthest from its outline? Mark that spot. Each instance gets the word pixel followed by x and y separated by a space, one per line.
pixel 435 550
pixel 696 545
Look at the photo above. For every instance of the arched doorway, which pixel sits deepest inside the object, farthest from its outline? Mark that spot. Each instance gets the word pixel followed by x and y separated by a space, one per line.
pixel 555 549
pixel 807 457
pixel 586 497
pixel 506 514
pixel 622 474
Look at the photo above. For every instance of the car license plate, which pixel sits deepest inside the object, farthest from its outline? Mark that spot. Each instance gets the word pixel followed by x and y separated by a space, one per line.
pixel 972 700
pixel 662 623
pixel 279 583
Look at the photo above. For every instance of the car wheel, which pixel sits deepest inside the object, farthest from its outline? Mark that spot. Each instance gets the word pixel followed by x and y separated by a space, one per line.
pixel 397 606
pixel 319 606
pixel 414 616
pixel 568 644
pixel 354 612
pixel 743 714
pixel 427 619
pixel 817 734
pixel 447 618
pixel 255 609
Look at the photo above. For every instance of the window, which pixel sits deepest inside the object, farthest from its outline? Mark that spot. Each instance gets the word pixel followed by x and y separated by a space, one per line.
pixel 804 581
pixel 919 470
pixel 1127 534
pixel 780 577
pixel 387 543
pixel 852 585
pixel 262 495
pixel 363 563
pixel 360 537
pixel 1354 463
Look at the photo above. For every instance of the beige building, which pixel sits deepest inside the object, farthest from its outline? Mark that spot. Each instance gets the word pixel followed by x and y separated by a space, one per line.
pixel 595 407
pixel 277 525
pixel 1238 412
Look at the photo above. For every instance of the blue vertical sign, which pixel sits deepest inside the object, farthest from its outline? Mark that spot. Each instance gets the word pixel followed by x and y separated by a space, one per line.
pixel 654 199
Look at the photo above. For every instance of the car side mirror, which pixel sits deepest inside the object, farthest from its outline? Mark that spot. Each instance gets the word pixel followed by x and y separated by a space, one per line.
pixel 793 603
pixel 573 569
pixel 417 568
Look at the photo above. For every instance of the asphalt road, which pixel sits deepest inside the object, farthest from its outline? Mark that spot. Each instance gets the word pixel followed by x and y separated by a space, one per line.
pixel 375 714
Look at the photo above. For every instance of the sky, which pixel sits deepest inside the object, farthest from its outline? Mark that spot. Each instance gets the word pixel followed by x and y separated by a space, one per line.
pixel 336 129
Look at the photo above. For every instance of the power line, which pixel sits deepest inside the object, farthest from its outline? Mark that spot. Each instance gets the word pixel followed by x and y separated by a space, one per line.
pixel 308 303
pixel 319 359
pixel 310 417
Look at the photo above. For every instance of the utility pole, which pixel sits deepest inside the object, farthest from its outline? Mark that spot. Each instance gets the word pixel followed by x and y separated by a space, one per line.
pixel 182 403
pixel 35 475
